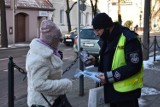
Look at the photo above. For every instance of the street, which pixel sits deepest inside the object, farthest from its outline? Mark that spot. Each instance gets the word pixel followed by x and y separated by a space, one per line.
pixel 20 86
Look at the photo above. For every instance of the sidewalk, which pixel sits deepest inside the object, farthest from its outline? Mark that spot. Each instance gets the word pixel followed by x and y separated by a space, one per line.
pixel 13 46
pixel 73 96
pixel 150 92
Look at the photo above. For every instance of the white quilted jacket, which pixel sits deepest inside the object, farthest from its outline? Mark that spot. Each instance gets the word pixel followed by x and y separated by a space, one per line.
pixel 44 70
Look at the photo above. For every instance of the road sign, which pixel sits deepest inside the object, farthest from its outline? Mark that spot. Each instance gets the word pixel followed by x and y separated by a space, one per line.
pixel 82 7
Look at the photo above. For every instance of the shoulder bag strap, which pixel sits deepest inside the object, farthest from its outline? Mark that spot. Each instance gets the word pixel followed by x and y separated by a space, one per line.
pixel 46 100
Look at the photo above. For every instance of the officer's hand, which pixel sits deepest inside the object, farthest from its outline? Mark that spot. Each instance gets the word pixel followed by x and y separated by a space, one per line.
pixel 91 60
pixel 102 78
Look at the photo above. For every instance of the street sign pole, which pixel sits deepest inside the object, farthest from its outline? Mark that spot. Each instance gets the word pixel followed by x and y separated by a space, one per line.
pixel 80 64
pixel 146 29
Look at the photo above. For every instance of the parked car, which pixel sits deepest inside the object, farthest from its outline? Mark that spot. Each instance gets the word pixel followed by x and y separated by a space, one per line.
pixel 69 37
pixel 88 40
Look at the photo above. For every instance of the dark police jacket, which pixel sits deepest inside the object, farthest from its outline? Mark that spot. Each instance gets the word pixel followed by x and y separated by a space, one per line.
pixel 132 49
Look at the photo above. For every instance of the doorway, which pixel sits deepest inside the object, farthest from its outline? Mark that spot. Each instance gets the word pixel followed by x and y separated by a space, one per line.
pixel 20 27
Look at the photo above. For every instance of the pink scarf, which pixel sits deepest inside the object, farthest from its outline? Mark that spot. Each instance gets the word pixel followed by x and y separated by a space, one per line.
pixel 55 52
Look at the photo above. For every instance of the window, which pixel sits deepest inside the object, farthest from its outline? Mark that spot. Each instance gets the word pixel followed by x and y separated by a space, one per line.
pixel 87 18
pixel 81 18
pixel 62 16
pixel 88 34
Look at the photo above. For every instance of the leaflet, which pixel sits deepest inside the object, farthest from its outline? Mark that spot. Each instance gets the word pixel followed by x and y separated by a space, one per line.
pixel 92 75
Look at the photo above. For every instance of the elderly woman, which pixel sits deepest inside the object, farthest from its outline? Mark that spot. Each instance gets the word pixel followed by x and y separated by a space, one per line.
pixel 44 67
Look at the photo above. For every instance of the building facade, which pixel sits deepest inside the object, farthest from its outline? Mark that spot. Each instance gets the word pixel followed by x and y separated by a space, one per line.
pixel 25 19
pixel 60 18
pixel 28 14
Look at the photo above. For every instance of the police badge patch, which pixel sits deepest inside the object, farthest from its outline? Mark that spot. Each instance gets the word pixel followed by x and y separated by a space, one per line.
pixel 117 75
pixel 134 57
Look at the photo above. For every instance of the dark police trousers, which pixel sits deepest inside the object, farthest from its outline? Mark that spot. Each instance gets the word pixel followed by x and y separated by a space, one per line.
pixel 130 103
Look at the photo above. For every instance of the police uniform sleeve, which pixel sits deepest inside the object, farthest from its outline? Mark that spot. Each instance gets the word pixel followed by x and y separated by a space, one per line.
pixel 133 57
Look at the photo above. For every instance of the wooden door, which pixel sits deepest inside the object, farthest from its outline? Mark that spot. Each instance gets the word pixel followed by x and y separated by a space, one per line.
pixel 20 28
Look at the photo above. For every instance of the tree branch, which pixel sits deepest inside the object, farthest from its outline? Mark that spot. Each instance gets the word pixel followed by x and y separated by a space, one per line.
pixel 73 5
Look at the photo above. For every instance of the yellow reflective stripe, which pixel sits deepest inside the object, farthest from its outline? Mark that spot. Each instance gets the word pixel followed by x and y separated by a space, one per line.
pixel 119 58
pixel 131 83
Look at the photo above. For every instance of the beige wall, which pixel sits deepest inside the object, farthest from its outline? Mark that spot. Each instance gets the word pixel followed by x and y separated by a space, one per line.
pixel 32 23
pixel 61 4
pixel 9 21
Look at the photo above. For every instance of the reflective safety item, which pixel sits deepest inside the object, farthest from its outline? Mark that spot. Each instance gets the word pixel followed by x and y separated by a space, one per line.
pixel 132 83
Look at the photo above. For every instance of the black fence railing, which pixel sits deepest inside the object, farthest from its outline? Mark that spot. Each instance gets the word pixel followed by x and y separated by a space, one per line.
pixel 11 66
pixel 155 46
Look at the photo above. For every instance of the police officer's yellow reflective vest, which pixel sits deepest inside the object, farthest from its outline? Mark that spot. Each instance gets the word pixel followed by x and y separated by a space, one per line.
pixel 132 83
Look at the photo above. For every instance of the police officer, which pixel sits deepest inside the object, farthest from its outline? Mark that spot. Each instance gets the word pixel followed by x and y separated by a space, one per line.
pixel 120 62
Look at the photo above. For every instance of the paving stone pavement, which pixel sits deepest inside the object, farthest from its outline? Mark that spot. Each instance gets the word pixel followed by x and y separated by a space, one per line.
pixel 150 94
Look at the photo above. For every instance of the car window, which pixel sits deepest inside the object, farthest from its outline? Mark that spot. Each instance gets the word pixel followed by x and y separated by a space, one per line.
pixel 74 31
pixel 73 35
pixel 88 34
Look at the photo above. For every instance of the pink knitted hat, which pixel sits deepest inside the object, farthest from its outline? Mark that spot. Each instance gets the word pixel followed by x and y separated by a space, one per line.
pixel 48 28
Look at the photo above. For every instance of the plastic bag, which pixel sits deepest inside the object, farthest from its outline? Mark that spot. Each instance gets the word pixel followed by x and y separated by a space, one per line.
pixel 96 97
pixel 92 75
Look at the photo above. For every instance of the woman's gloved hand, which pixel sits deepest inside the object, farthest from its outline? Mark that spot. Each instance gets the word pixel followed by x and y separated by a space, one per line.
pixel 91 60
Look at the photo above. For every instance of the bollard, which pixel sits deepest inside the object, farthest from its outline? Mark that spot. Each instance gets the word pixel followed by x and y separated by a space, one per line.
pixel 10 82
pixel 81 78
